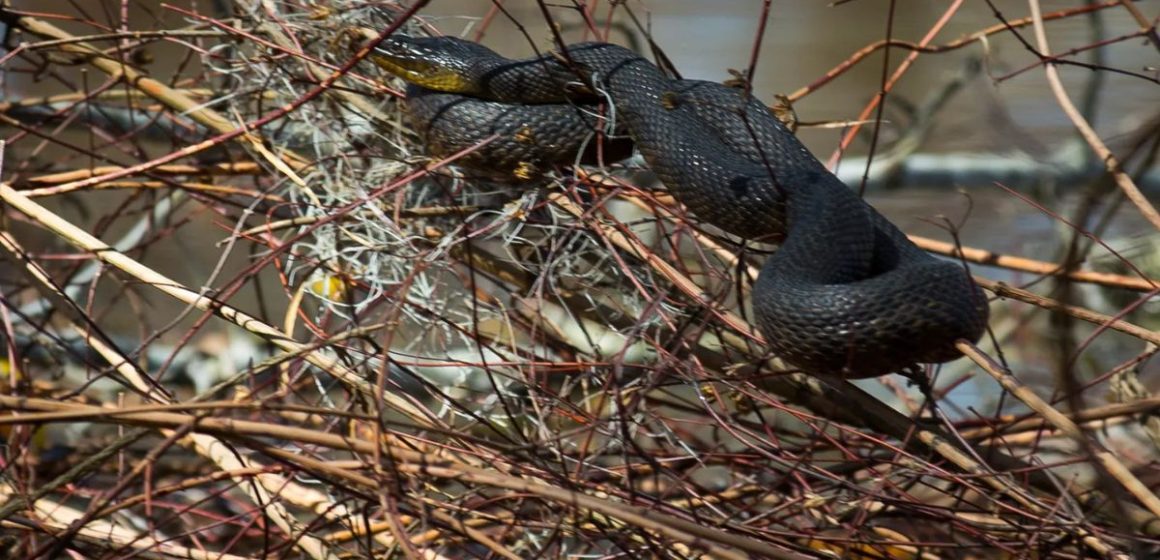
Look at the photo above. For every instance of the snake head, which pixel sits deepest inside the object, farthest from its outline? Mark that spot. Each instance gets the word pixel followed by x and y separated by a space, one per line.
pixel 446 64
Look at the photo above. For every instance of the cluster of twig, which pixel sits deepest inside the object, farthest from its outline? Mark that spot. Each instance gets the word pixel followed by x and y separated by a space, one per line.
pixel 421 363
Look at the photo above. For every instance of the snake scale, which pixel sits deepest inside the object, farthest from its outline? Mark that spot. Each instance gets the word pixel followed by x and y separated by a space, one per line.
pixel 845 294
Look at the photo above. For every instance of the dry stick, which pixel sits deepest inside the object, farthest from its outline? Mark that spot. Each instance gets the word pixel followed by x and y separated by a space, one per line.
pixel 1002 290
pixel 414 212
pixel 673 528
pixel 1110 162
pixel 84 241
pixel 822 397
pixel 162 185
pixel 889 85
pixel 239 168
pixel 1146 26
pixel 213 449
pixel 211 119
pixel 985 257
pixel 929 438
pixel 170 97
pixel 109 255
pixel 281 44
pixel 682 282
pixel 136 36
pixel 182 103
pixel 412 462
pixel 872 411
pixel 57 520
pixel 325 468
pixel 376 527
pixel 360 102
pixel 184 485
pixel 1012 425
pixel 178 101
pixel 39 277
pixel 975 37
pixel 970 254
pixel 663 211
pixel 1111 464
pixel 81 97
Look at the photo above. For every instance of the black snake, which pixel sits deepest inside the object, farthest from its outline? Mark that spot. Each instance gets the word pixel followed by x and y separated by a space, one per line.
pixel 847 293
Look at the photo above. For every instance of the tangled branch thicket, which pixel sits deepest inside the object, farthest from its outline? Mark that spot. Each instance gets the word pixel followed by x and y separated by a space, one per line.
pixel 245 317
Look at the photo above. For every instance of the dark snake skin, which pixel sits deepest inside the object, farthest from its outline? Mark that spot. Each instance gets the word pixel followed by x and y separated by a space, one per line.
pixel 847 293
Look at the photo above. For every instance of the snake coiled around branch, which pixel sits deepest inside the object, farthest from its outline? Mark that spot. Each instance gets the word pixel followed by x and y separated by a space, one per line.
pixel 846 293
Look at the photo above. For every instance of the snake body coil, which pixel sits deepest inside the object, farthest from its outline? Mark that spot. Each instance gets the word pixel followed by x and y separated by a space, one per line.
pixel 847 293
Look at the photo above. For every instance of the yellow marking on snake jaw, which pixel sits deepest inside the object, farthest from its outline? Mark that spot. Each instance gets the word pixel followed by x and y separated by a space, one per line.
pixel 424 74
